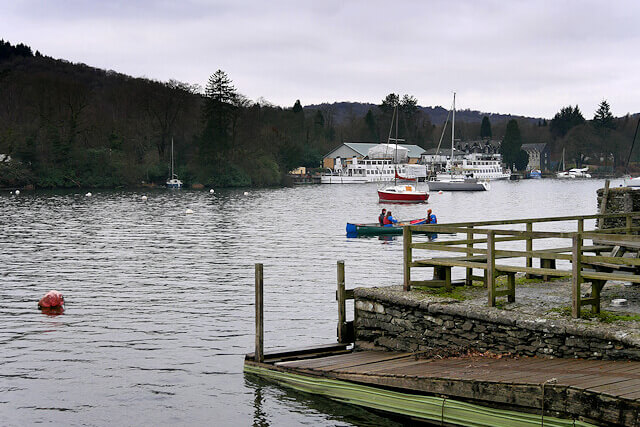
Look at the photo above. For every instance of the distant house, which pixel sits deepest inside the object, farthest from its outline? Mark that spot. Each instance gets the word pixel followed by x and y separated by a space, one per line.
pixel 349 150
pixel 539 156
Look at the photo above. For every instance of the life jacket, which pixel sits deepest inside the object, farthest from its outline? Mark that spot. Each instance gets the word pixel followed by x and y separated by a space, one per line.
pixel 386 221
pixel 433 219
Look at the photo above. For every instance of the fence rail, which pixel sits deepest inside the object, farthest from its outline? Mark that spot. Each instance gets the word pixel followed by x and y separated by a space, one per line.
pixel 595 269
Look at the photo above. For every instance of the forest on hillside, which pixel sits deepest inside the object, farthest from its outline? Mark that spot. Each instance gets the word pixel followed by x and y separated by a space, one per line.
pixel 72 125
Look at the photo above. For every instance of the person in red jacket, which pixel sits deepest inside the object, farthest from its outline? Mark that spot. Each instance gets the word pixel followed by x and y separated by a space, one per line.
pixel 389 220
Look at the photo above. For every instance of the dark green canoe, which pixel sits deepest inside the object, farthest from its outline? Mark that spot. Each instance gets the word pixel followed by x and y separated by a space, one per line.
pixel 374 229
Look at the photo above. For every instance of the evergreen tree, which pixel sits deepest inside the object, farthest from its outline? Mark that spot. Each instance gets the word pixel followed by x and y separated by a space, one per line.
pixel 603 119
pixel 564 120
pixel 511 147
pixel 297 107
pixel 370 123
pixel 485 128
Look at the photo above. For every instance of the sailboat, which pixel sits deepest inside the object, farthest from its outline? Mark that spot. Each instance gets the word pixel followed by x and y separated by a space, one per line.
pixel 573 173
pixel 400 193
pixel 173 182
pixel 448 181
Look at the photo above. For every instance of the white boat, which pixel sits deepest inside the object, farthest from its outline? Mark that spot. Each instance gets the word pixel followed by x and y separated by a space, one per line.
pixel 359 171
pixel 631 182
pixel 373 168
pixel 173 182
pixel 480 166
pixel 457 183
pixel 457 179
pixel 574 173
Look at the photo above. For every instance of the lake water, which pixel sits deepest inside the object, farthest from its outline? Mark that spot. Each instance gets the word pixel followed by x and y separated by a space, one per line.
pixel 159 304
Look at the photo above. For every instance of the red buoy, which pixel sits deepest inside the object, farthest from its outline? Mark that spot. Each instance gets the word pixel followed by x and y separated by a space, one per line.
pixel 51 299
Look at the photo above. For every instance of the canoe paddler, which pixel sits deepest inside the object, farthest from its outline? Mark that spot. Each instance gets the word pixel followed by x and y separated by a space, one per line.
pixel 431 217
pixel 389 220
pixel 381 217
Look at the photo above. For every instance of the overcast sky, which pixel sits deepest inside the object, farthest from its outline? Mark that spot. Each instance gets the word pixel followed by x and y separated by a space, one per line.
pixel 508 56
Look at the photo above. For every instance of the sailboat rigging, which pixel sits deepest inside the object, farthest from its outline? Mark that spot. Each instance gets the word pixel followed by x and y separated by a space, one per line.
pixel 448 181
pixel 404 193
pixel 173 181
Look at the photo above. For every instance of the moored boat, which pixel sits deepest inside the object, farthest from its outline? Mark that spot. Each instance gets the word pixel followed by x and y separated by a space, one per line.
pixel 404 193
pixel 375 229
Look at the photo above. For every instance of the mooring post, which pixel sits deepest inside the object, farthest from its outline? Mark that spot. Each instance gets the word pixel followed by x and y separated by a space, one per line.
pixel 603 204
pixel 576 275
pixel 469 272
pixel 529 246
pixel 407 257
pixel 259 351
pixel 491 268
pixel 341 297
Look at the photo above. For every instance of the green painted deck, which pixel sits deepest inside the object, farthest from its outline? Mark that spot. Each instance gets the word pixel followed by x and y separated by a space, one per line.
pixel 597 391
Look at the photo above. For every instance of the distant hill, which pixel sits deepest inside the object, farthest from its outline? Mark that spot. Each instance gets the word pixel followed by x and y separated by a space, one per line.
pixel 342 111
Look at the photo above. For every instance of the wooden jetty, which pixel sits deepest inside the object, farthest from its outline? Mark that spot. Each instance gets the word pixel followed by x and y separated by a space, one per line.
pixel 479 389
pixel 466 391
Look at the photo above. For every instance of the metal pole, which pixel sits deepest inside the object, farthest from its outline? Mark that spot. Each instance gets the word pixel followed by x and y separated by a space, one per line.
pixel 259 351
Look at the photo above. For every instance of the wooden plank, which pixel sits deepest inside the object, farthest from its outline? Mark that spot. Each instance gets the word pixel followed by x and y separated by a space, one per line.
pixel 611 276
pixel 346 360
pixel 616 389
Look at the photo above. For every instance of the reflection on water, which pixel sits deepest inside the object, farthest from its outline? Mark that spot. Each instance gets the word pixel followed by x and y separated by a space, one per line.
pixel 159 304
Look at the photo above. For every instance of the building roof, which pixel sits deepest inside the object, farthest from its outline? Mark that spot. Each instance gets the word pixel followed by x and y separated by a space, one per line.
pixel 362 148
pixel 537 147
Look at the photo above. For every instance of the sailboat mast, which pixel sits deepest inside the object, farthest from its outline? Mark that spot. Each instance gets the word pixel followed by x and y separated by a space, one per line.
pixel 171 157
pixel 453 130
pixel 395 159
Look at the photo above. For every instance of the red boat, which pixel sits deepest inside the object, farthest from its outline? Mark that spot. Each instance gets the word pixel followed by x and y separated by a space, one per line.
pixel 402 194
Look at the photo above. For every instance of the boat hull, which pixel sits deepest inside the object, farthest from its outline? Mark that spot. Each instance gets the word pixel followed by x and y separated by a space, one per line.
pixel 416 197
pixel 373 229
pixel 339 179
pixel 468 185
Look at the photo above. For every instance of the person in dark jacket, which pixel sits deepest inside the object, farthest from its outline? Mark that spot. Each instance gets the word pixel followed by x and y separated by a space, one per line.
pixel 381 217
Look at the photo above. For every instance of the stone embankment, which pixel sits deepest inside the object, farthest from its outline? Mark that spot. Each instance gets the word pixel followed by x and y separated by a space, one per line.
pixel 390 319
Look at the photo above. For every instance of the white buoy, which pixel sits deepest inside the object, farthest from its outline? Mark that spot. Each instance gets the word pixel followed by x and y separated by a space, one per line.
pixel 144 198
pixel 17 192
pixel 88 194
pixel 188 211
pixel 211 191
pixel 246 193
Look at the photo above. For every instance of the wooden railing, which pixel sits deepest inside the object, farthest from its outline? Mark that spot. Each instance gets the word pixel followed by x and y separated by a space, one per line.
pixel 596 269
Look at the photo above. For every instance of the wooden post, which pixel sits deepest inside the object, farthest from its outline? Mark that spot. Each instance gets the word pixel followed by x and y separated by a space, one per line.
pixel 511 285
pixel 491 267
pixel 576 276
pixel 603 204
pixel 341 296
pixel 469 272
pixel 408 257
pixel 529 246
pixel 581 225
pixel 259 351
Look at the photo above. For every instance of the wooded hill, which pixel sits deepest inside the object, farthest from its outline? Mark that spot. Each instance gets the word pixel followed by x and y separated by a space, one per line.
pixel 72 125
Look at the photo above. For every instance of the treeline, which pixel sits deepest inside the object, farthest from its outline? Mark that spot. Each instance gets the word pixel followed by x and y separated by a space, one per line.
pixel 72 125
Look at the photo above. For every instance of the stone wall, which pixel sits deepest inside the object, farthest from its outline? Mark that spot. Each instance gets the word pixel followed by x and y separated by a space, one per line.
pixel 389 319
pixel 619 200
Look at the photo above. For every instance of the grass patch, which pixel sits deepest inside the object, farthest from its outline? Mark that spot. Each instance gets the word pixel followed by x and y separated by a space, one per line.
pixel 603 316
pixel 459 293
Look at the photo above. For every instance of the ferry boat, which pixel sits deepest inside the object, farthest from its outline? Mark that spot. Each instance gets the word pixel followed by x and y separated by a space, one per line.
pixel 480 166
pixel 360 171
